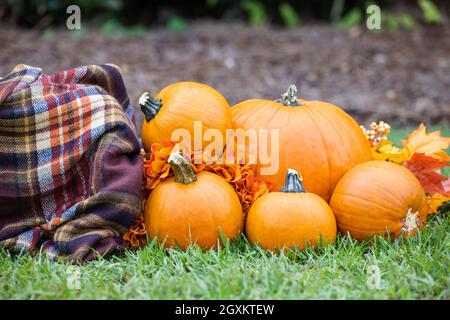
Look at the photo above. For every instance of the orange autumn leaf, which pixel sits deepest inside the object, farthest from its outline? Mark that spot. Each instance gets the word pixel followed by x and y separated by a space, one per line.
pixel 431 144
pixel 425 168
pixel 435 201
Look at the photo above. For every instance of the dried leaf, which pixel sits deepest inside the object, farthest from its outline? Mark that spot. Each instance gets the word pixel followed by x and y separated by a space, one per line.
pixel 431 144
pixel 387 151
pixel 435 201
pixel 424 167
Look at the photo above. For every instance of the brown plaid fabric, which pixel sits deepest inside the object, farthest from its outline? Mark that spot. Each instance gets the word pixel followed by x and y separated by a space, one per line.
pixel 70 169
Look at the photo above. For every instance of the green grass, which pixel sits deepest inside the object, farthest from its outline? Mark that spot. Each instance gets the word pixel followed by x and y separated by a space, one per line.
pixel 412 268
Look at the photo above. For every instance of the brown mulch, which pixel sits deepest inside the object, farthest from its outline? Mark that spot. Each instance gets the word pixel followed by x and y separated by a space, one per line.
pixel 401 76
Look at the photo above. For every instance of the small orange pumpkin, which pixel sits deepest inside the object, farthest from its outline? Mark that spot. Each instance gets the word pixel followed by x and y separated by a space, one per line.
pixel 177 106
pixel 316 138
pixel 379 198
pixel 290 218
pixel 191 209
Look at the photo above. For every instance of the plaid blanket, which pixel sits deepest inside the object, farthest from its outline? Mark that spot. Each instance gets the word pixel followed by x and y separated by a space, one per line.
pixel 70 169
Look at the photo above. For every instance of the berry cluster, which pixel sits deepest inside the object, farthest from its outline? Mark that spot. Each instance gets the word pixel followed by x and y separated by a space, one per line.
pixel 377 132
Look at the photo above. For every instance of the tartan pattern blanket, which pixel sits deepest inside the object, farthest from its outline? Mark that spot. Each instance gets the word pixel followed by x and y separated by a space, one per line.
pixel 70 164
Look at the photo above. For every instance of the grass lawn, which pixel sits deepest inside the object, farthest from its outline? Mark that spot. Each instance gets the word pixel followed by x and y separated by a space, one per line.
pixel 412 268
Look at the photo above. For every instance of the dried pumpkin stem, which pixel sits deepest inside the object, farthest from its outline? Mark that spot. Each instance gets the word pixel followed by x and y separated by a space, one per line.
pixel 411 221
pixel 181 168
pixel 293 183
pixel 289 98
pixel 149 106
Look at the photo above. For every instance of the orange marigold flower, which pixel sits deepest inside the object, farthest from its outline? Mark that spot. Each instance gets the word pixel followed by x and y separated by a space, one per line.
pixel 137 234
pixel 156 169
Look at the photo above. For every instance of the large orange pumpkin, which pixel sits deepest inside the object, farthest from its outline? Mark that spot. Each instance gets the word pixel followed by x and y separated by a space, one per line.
pixel 191 209
pixel 177 106
pixel 290 218
pixel 379 198
pixel 316 138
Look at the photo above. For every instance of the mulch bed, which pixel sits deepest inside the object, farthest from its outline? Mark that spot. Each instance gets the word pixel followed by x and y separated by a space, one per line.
pixel 401 76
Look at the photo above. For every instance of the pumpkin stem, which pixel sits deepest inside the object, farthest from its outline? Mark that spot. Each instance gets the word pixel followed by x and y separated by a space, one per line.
pixel 412 221
pixel 149 106
pixel 181 168
pixel 293 182
pixel 289 98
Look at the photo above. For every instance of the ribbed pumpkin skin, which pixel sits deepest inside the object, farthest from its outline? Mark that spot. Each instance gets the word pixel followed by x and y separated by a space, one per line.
pixel 290 219
pixel 182 104
pixel 375 197
pixel 192 213
pixel 317 139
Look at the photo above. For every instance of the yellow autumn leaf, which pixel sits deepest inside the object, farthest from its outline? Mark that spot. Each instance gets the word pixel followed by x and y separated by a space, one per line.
pixel 431 144
pixel 386 150
pixel 436 200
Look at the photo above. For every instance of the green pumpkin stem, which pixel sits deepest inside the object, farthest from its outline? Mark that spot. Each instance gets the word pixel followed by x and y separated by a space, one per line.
pixel 293 183
pixel 181 168
pixel 289 97
pixel 149 106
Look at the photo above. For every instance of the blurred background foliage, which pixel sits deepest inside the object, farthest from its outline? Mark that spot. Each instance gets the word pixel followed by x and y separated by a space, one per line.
pixel 130 15
pixel 400 73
